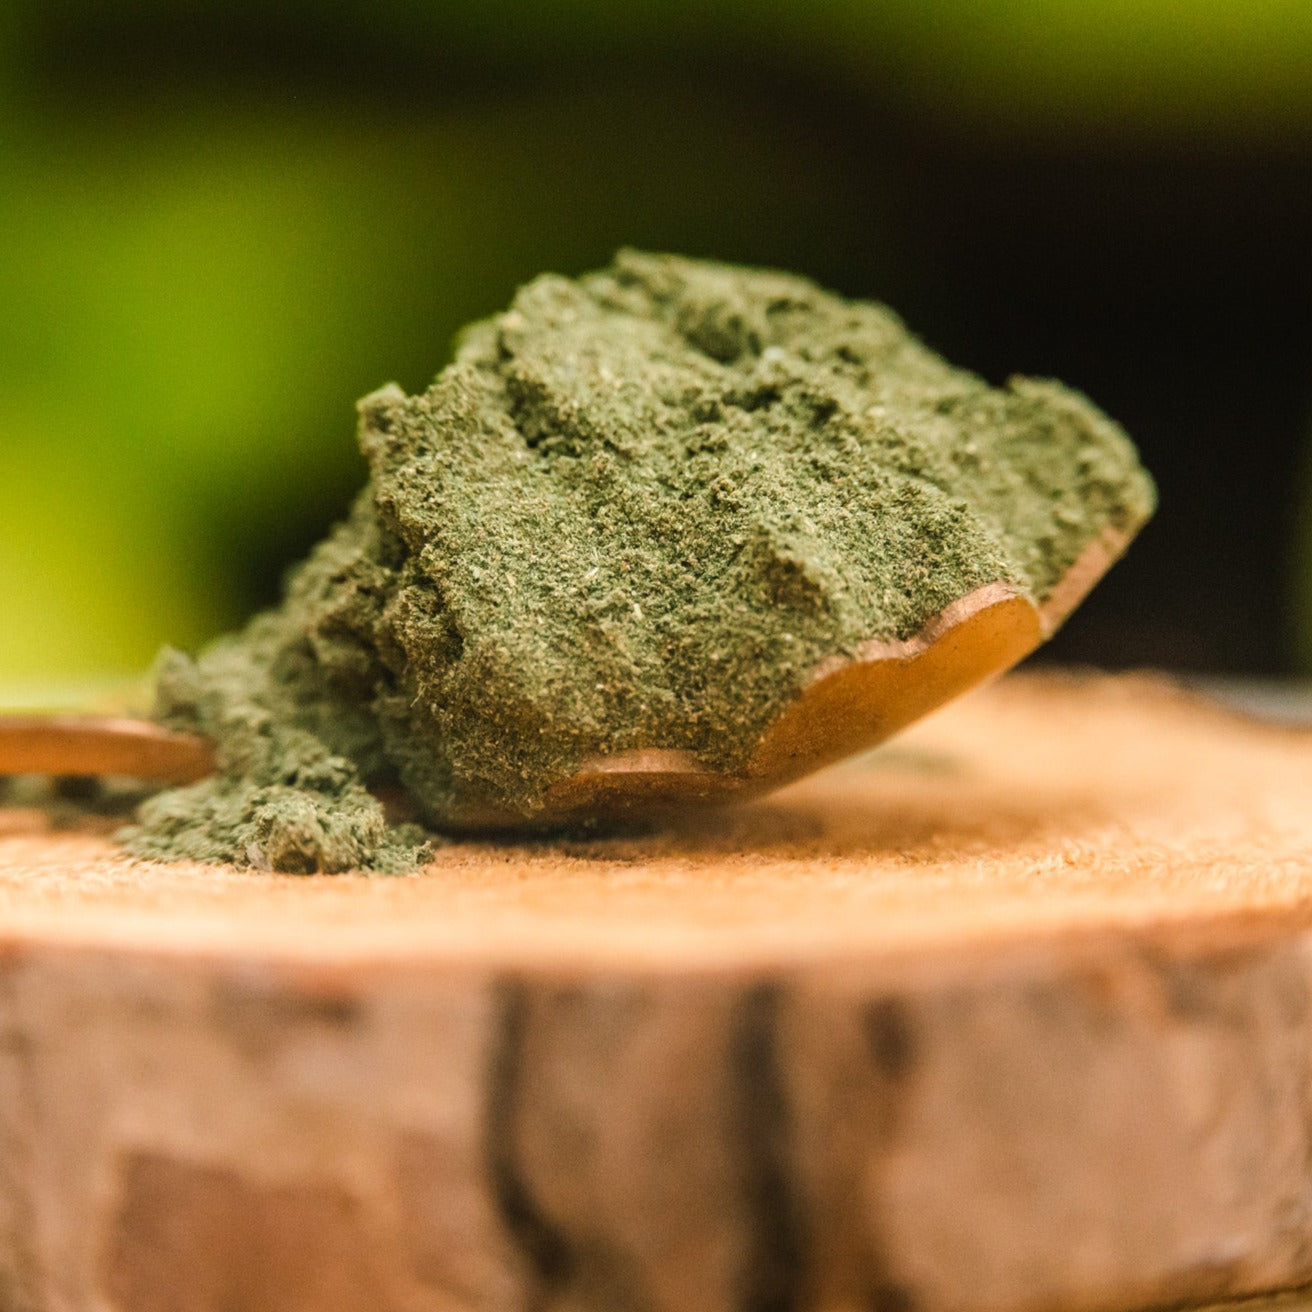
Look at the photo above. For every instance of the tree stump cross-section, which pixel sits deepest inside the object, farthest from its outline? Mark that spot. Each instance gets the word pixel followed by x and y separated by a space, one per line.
pixel 1013 1014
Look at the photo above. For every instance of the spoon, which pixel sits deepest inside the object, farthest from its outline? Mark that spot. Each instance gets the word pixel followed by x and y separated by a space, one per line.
pixel 852 703
pixel 101 745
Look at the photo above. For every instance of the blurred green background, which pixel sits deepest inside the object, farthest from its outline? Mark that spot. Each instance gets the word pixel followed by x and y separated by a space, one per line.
pixel 220 223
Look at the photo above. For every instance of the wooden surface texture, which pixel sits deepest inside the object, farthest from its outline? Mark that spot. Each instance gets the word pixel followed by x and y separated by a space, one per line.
pixel 1015 1014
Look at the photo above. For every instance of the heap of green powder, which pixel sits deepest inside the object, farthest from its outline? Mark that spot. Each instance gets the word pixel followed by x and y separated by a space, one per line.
pixel 637 510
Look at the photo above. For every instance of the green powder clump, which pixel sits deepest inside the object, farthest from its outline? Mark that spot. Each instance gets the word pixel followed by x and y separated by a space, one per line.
pixel 638 510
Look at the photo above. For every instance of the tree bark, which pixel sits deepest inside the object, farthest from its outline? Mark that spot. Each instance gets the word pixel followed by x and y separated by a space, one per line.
pixel 1013 1015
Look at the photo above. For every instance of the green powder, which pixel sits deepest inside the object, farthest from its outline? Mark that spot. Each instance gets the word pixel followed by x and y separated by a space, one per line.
pixel 638 510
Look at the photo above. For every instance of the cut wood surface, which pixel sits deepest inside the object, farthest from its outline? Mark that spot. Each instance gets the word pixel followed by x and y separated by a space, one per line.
pixel 1014 1014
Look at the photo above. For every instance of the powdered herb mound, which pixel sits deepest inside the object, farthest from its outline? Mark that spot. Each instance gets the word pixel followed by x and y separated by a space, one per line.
pixel 637 510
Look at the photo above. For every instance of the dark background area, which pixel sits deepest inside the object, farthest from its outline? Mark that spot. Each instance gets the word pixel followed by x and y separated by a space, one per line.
pixel 221 224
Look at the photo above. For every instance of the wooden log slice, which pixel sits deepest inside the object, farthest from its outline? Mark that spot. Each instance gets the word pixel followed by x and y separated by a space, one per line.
pixel 1015 1014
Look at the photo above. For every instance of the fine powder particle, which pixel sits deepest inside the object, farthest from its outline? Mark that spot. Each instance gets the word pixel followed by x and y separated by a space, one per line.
pixel 638 510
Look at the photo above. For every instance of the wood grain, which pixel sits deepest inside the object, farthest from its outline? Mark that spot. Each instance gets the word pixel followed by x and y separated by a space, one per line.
pixel 1013 1015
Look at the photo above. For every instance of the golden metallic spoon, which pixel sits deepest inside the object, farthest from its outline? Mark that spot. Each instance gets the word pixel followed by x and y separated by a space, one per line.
pixel 852 703
pixel 100 745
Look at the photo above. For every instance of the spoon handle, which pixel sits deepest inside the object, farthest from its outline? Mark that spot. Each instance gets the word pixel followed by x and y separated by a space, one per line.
pixel 96 745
